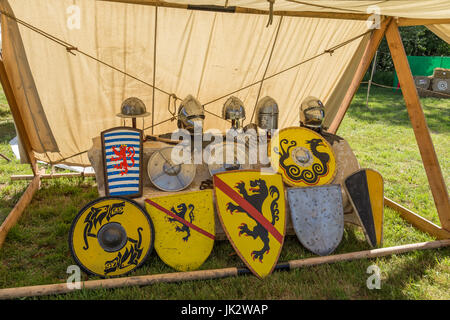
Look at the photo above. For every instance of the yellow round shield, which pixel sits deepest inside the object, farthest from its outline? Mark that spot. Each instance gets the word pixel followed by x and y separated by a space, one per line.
pixel 302 156
pixel 111 236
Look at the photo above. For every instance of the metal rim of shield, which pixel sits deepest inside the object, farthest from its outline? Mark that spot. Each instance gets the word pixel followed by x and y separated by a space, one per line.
pixel 239 152
pixel 317 217
pixel 108 242
pixel 125 183
pixel 302 156
pixel 167 176
pixel 235 231
pixel 372 184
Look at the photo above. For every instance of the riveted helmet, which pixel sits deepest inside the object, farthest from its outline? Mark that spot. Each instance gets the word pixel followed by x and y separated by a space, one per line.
pixel 190 111
pixel 312 113
pixel 267 113
pixel 233 109
pixel 133 108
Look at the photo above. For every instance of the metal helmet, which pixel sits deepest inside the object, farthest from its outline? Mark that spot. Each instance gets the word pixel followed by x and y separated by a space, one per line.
pixel 133 108
pixel 267 113
pixel 312 113
pixel 233 109
pixel 190 111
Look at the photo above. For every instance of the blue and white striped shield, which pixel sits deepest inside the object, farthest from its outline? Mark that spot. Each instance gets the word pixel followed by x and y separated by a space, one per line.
pixel 122 150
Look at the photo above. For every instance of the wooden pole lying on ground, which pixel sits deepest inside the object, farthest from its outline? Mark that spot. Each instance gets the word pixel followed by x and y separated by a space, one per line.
pixel 18 209
pixel 52 176
pixel 51 289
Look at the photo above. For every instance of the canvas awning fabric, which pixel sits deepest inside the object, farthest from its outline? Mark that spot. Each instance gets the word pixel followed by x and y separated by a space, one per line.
pixel 67 97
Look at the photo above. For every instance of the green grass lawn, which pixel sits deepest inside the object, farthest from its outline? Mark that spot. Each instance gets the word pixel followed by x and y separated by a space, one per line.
pixel 36 250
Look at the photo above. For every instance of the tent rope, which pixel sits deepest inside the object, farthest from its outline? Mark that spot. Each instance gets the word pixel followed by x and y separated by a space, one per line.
pixel 327 51
pixel 71 48
pixel 267 66
pixel 154 66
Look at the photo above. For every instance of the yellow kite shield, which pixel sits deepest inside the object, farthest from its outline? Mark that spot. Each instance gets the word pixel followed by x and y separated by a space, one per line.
pixel 185 228
pixel 303 157
pixel 111 236
pixel 252 211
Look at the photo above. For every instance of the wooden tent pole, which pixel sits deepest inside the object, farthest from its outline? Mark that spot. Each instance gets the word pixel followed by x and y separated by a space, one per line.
pixel 12 102
pixel 419 124
pixel 417 221
pixel 18 209
pixel 59 288
pixel 368 55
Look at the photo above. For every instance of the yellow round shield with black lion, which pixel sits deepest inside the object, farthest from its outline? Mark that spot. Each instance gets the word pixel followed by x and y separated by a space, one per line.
pixel 111 236
pixel 302 156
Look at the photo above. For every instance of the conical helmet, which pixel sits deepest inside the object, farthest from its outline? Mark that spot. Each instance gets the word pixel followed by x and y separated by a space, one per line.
pixel 312 113
pixel 190 111
pixel 267 113
pixel 233 109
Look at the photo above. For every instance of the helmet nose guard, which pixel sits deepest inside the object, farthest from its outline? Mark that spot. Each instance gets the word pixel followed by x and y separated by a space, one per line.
pixel 234 110
pixel 189 112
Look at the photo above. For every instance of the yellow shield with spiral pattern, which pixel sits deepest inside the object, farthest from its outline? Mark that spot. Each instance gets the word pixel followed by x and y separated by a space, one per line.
pixel 251 208
pixel 303 157
pixel 184 228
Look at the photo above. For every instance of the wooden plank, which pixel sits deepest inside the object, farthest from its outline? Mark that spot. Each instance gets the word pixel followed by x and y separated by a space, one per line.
pixel 18 209
pixel 237 9
pixel 51 176
pixel 418 221
pixel 368 55
pixel 60 288
pixel 401 22
pixel 419 125
pixel 10 97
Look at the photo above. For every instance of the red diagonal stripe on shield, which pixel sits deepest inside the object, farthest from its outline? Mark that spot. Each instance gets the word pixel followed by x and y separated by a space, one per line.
pixel 181 220
pixel 247 206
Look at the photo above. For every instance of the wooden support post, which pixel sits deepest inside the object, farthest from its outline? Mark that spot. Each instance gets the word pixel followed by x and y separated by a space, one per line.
pixel 59 288
pixel 368 55
pixel 18 209
pixel 419 125
pixel 9 94
pixel 418 221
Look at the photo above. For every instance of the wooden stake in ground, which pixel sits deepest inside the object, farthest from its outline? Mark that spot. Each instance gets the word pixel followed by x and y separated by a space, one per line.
pixel 51 289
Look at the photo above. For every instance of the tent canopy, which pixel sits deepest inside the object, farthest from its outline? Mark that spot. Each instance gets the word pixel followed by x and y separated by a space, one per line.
pixel 72 63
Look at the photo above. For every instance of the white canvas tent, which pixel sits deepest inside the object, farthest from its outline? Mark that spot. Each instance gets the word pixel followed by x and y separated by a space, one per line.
pixel 65 79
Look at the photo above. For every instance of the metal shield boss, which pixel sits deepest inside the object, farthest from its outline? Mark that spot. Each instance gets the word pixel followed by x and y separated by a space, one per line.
pixel 251 208
pixel 184 228
pixel 365 189
pixel 302 156
pixel 111 236
pixel 317 217
pixel 122 150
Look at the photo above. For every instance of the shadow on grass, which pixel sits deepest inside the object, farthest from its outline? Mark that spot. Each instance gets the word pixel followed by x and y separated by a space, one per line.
pixel 388 106
pixel 412 269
